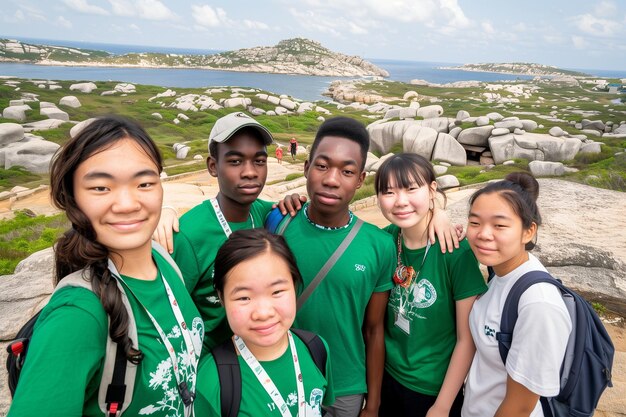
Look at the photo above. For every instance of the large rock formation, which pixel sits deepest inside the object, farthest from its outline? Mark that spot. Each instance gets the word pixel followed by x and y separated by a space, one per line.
pixel 534 147
pixel 31 152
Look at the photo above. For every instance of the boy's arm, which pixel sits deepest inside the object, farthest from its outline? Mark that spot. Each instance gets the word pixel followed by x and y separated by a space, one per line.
pixel 447 233
pixel 374 334
pixel 168 224
pixel 291 204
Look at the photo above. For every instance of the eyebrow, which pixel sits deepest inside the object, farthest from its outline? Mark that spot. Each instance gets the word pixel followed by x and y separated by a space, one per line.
pixel 497 216
pixel 237 153
pixel 274 283
pixel 345 163
pixel 94 175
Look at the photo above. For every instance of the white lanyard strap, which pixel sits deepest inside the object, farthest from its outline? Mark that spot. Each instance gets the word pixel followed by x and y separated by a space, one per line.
pixel 267 382
pixel 220 217
pixel 186 394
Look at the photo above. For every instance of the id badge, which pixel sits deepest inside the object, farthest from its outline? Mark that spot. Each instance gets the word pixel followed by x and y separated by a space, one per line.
pixel 403 323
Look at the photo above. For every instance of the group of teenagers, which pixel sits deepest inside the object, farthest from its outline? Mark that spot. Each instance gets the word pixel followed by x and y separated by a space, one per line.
pixel 404 312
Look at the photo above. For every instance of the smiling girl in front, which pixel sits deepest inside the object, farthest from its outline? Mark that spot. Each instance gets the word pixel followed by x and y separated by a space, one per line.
pixel 502 228
pixel 427 339
pixel 106 179
pixel 256 277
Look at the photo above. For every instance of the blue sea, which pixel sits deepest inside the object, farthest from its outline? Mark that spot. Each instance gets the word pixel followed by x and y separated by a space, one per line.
pixel 300 86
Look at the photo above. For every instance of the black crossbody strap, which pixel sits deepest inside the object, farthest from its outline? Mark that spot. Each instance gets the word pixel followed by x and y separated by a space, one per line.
pixel 328 265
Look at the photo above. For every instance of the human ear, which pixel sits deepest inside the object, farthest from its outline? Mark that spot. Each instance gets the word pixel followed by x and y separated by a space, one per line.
pixel 361 179
pixel 307 165
pixel 529 234
pixel 211 164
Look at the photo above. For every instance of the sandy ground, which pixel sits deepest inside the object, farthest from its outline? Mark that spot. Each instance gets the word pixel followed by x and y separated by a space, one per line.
pixel 570 212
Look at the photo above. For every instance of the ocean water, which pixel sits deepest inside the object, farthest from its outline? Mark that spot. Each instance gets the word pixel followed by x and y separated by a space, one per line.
pixel 300 86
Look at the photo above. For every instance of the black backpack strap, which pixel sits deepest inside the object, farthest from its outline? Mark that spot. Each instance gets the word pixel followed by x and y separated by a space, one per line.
pixel 116 391
pixel 316 348
pixel 230 378
pixel 509 312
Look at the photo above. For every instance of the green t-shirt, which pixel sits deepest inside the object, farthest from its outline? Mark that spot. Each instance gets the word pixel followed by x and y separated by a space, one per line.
pixel 61 376
pixel 255 401
pixel 419 361
pixel 195 247
pixel 336 309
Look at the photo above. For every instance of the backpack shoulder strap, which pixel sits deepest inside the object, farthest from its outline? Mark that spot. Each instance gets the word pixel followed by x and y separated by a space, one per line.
pixel 229 378
pixel 118 376
pixel 509 312
pixel 161 251
pixel 316 348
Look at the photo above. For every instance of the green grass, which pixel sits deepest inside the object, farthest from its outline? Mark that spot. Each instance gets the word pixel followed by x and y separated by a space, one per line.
pixel 293 176
pixel 366 190
pixel 24 235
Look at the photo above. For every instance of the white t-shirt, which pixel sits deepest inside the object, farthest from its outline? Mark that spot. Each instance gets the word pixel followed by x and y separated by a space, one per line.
pixel 537 350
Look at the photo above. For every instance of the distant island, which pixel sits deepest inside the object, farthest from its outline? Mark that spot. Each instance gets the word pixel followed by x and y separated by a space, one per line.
pixel 291 56
pixel 519 68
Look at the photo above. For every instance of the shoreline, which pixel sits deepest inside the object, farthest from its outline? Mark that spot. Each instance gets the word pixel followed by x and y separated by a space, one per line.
pixel 175 67
pixel 512 73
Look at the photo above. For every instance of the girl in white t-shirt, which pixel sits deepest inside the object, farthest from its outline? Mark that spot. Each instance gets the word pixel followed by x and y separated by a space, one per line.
pixel 502 228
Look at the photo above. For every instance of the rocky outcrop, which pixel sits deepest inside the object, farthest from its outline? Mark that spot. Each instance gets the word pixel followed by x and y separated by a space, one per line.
pixel 290 56
pixel 32 152
pixel 294 56
pixel 83 87
pixel 533 146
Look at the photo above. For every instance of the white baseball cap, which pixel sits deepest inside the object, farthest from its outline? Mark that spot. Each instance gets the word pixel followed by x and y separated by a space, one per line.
pixel 225 127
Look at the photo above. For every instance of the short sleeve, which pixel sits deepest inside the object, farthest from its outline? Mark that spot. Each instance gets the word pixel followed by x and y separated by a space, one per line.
pixel 64 362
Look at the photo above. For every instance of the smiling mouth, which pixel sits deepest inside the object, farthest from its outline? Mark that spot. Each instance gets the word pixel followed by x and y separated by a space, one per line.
pixel 127 225
pixel 268 328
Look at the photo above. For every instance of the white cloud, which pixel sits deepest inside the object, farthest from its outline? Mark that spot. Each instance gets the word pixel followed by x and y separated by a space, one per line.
pixel 122 8
pixel 488 27
pixel 31 13
pixel 153 10
pixel 520 27
pixel 19 15
pixel 134 28
pixel 252 24
pixel 206 16
pixel 63 22
pixel 606 8
pixel 596 26
pixel 143 9
pixel 83 7
pixel 579 42
pixel 356 29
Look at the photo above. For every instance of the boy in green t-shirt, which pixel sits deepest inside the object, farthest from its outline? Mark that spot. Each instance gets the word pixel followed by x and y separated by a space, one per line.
pixel 348 307
pixel 238 159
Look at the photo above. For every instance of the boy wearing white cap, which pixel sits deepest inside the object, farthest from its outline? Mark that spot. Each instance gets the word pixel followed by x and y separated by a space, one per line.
pixel 238 159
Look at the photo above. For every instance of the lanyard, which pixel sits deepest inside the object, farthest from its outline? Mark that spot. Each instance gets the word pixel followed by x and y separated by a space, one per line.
pixel 223 222
pixel 186 394
pixel 267 382
pixel 410 281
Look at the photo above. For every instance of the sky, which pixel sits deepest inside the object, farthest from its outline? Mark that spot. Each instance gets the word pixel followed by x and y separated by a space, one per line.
pixel 565 33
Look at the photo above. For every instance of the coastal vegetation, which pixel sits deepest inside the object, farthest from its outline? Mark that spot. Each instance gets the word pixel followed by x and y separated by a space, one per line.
pixel 521 68
pixel 550 105
pixel 290 56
